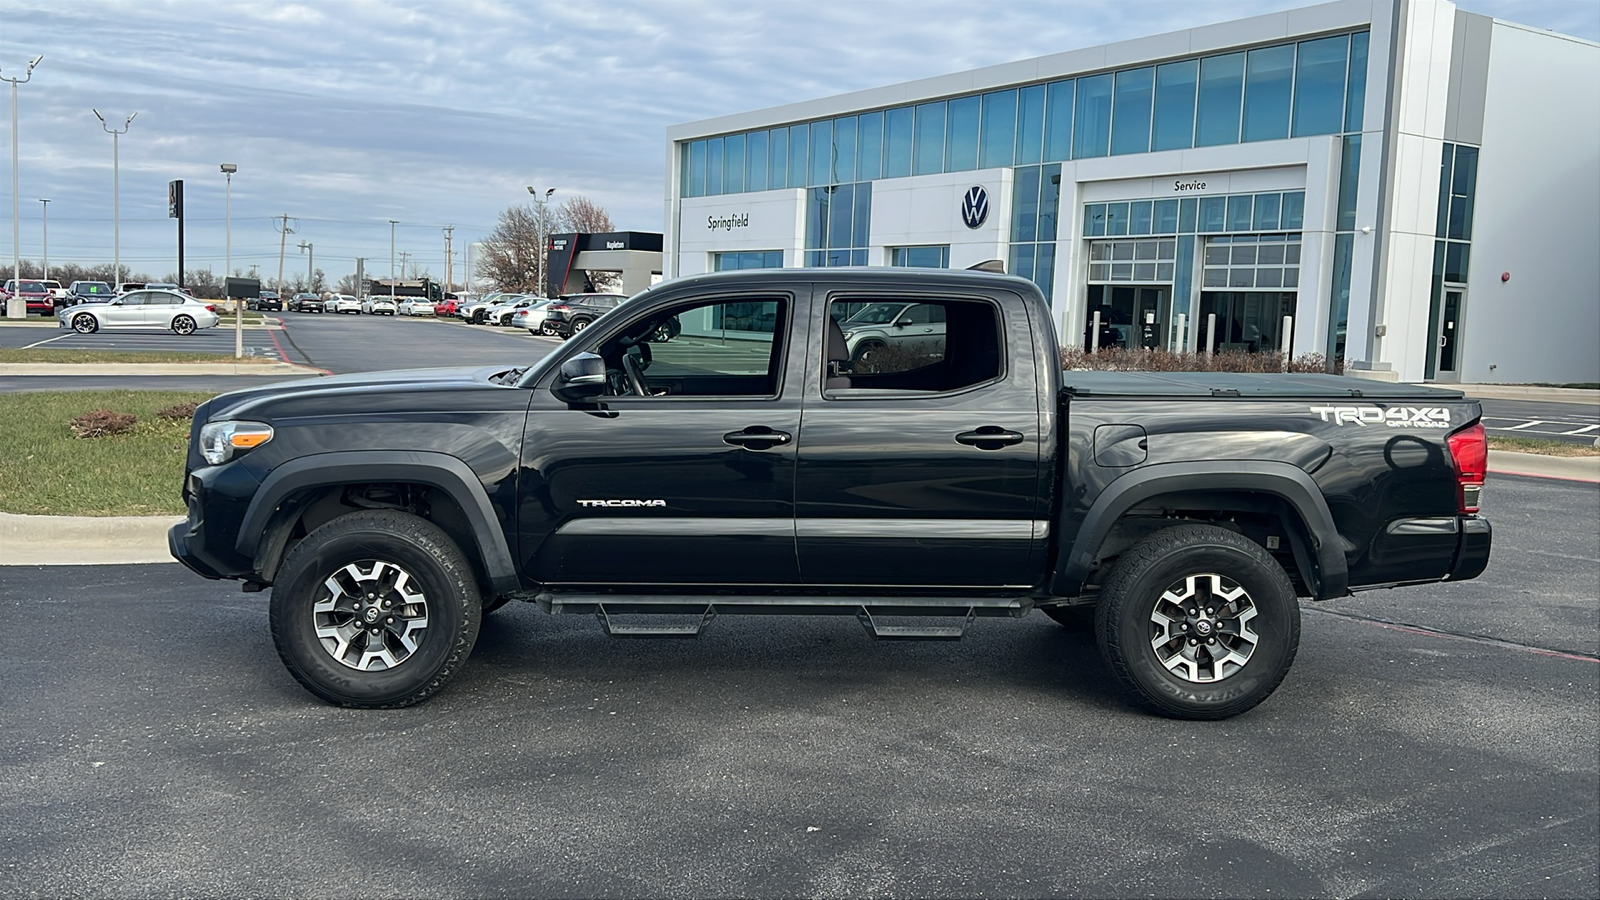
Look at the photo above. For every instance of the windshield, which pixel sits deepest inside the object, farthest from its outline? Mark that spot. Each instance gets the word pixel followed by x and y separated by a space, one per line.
pixel 876 314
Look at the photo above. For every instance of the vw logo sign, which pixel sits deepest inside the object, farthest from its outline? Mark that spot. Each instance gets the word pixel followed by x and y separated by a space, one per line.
pixel 975 207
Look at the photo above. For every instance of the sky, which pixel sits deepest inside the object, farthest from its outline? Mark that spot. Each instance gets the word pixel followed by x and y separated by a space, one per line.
pixel 344 114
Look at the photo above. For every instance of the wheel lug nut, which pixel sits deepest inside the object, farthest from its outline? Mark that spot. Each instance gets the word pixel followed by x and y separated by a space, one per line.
pixel 390 620
pixel 1184 627
pixel 1192 642
pixel 374 631
pixel 1211 640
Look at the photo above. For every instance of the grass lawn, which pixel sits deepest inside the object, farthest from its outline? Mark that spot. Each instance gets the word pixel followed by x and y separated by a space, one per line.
pixel 1547 448
pixel 48 355
pixel 48 471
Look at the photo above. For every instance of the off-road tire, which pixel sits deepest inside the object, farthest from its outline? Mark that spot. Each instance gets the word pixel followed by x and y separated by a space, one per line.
pixel 1145 579
pixel 422 551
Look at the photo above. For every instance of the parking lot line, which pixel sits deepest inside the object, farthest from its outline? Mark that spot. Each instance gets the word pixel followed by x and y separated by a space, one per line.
pixel 42 343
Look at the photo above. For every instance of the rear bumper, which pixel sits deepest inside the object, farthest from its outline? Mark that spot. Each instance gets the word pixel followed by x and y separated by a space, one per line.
pixel 1472 549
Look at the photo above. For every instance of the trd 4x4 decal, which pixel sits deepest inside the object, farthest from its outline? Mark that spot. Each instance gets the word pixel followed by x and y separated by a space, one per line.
pixel 1394 417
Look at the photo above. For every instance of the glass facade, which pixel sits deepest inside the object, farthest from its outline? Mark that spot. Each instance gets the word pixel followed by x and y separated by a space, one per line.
pixel 1298 88
pixel 1035 210
pixel 1452 250
pixel 837 220
pixel 1226 213
pixel 748 259
pixel 932 256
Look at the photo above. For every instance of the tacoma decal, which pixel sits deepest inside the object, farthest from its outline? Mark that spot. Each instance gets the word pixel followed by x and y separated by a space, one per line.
pixel 622 503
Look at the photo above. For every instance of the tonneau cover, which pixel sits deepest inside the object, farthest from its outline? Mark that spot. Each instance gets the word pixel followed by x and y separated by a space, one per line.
pixel 1210 385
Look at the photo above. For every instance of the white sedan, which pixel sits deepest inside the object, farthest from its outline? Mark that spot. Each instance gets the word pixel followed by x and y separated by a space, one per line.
pixel 416 306
pixel 344 303
pixel 378 306
pixel 532 317
pixel 141 309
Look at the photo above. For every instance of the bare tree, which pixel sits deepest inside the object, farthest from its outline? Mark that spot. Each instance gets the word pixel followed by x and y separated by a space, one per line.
pixel 510 258
pixel 582 215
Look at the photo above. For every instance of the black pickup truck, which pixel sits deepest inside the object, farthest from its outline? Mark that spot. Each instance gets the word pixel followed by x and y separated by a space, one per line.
pixel 713 446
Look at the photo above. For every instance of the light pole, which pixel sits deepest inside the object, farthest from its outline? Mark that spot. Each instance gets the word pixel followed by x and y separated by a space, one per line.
pixel 45 224
pixel 227 266
pixel 543 238
pixel 116 193
pixel 392 223
pixel 17 310
pixel 311 255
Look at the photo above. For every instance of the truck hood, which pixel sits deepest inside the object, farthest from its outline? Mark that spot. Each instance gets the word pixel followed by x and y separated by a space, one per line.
pixel 268 399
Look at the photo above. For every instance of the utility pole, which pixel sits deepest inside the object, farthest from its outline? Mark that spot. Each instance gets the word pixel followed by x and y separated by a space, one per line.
pixel 544 237
pixel 305 247
pixel 283 236
pixel 46 224
pixel 17 310
pixel 116 192
pixel 449 259
pixel 404 255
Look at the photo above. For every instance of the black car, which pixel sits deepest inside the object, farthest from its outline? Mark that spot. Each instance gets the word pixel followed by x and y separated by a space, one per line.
pixel 268 301
pixel 575 312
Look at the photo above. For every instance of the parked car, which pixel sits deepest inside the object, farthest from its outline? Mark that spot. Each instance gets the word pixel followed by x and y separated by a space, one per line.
pixel 445 307
pixel 58 294
pixel 31 292
pixel 89 291
pixel 910 326
pixel 380 306
pixel 306 303
pixel 575 312
pixel 269 301
pixel 531 317
pixel 415 306
pixel 500 313
pixel 473 312
pixel 141 309
pixel 344 303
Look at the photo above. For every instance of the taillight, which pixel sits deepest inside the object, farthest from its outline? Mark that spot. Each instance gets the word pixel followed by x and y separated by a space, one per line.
pixel 1469 451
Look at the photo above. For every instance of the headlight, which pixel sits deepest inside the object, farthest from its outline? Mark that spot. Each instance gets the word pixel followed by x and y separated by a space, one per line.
pixel 219 441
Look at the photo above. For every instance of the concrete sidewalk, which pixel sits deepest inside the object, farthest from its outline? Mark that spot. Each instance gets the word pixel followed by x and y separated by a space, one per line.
pixel 89 540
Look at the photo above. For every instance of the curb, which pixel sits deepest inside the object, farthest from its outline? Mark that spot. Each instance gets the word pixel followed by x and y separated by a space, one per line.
pixel 1523 392
pixel 84 540
pixel 71 369
pixel 1570 468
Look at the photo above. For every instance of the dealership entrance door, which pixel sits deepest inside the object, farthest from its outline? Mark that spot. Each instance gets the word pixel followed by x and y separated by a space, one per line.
pixel 1123 310
pixel 1246 320
pixel 1448 340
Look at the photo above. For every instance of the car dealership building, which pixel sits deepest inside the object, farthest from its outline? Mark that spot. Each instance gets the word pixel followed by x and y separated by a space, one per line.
pixel 1409 186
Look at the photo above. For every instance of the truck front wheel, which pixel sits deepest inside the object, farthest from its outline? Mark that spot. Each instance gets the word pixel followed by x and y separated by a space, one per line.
pixel 1198 622
pixel 376 610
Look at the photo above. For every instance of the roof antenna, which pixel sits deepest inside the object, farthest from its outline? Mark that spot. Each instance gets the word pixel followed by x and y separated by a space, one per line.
pixel 989 265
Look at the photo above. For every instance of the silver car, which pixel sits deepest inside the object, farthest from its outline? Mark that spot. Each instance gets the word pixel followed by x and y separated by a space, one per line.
pixel 141 309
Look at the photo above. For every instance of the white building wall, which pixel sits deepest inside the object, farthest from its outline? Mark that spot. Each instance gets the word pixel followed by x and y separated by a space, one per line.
pixel 763 220
pixel 926 209
pixel 1537 215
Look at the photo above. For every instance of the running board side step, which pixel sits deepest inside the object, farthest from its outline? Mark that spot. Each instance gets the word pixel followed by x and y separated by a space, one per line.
pixel 617 629
pixel 868 610
pixel 882 632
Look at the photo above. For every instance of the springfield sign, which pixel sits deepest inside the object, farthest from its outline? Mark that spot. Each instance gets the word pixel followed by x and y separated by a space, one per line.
pixel 729 222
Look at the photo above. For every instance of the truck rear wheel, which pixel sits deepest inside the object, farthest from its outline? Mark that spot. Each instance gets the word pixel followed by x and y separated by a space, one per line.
pixel 375 610
pixel 1198 622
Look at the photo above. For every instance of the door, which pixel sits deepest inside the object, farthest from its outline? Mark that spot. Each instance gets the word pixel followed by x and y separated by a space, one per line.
pixel 684 473
pixel 129 313
pixel 925 473
pixel 1448 340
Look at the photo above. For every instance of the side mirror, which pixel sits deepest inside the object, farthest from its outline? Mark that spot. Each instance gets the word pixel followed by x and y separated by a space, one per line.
pixel 581 379
pixel 902 323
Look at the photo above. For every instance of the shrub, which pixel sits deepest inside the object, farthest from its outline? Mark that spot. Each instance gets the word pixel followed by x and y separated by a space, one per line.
pixel 181 411
pixel 103 423
pixel 1118 359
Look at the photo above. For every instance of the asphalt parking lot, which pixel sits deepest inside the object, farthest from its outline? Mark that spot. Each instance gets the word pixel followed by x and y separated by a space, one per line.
pixel 1430 742
pixel 260 342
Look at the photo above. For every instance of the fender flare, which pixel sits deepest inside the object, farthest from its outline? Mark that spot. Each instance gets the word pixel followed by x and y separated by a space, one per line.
pixel 437 470
pixel 1279 479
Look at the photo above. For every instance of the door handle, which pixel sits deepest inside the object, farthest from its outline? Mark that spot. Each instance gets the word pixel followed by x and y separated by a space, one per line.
pixel 757 437
pixel 989 437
